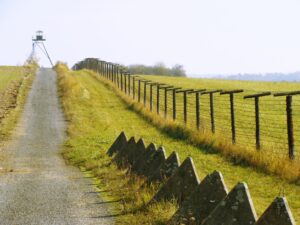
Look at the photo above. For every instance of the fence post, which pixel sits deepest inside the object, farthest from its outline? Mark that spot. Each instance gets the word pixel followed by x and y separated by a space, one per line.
pixel 133 87
pixel 257 119
pixel 174 104
pixel 157 99
pixel 198 110
pixel 97 66
pixel 125 82
pixel 289 118
pixel 289 113
pixel 121 76
pixel 108 71
pixel 129 75
pixel 166 102
pixel 211 106
pixel 113 73
pixel 185 92
pixel 185 107
pixel 117 76
pixel 151 95
pixel 232 115
pixel 145 92
pixel 197 98
pixel 167 88
pixel 102 68
pixel 139 90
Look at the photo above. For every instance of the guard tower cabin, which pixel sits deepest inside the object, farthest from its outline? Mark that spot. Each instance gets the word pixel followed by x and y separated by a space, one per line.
pixel 39 36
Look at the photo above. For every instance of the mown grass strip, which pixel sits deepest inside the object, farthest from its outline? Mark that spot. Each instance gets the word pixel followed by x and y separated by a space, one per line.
pixel 96 117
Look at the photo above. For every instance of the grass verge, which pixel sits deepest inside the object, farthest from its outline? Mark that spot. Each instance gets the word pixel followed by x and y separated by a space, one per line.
pixel 13 98
pixel 96 116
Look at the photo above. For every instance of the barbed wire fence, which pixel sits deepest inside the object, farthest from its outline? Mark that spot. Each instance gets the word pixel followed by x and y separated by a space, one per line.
pixel 266 121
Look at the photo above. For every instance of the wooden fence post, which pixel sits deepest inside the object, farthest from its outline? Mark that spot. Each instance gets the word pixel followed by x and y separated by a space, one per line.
pixel 175 90
pixel 211 106
pixel 289 119
pixel 106 70
pixel 166 89
pixel 159 86
pixel 197 98
pixel 129 75
pixel 101 68
pixel 290 130
pixel 109 70
pixel 125 82
pixel 114 73
pixel 139 90
pixel 133 88
pixel 232 115
pixel 157 99
pixel 97 66
pixel 185 92
pixel 117 76
pixel 174 104
pixel 151 95
pixel 121 76
pixel 145 93
pixel 257 120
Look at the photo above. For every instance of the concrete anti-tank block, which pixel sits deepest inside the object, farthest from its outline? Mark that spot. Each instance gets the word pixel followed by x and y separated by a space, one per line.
pixel 155 162
pixel 166 170
pixel 236 209
pixel 118 144
pixel 278 213
pixel 145 160
pixel 210 192
pixel 180 185
pixel 121 157
pixel 136 152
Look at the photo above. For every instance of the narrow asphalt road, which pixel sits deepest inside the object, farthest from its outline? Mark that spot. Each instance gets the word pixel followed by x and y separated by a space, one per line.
pixel 41 189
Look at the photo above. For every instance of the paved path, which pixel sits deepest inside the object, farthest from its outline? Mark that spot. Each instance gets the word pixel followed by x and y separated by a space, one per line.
pixel 41 189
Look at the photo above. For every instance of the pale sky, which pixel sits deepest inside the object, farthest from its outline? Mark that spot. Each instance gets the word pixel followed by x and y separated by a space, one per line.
pixel 206 36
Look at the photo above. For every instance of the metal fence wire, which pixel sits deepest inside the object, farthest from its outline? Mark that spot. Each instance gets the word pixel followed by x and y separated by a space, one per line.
pixel 267 121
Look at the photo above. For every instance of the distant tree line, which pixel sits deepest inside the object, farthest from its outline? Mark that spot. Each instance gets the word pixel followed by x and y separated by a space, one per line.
pixel 158 69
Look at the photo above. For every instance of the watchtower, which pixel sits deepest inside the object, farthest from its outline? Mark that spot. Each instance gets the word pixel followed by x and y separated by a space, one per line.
pixel 38 41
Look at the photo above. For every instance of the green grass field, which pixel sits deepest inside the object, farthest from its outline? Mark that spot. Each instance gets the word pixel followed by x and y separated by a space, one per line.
pixel 272 110
pixel 97 115
pixel 15 82
pixel 9 74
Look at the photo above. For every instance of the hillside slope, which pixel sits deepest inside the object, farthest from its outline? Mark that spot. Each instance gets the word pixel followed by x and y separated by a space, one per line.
pixel 97 116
